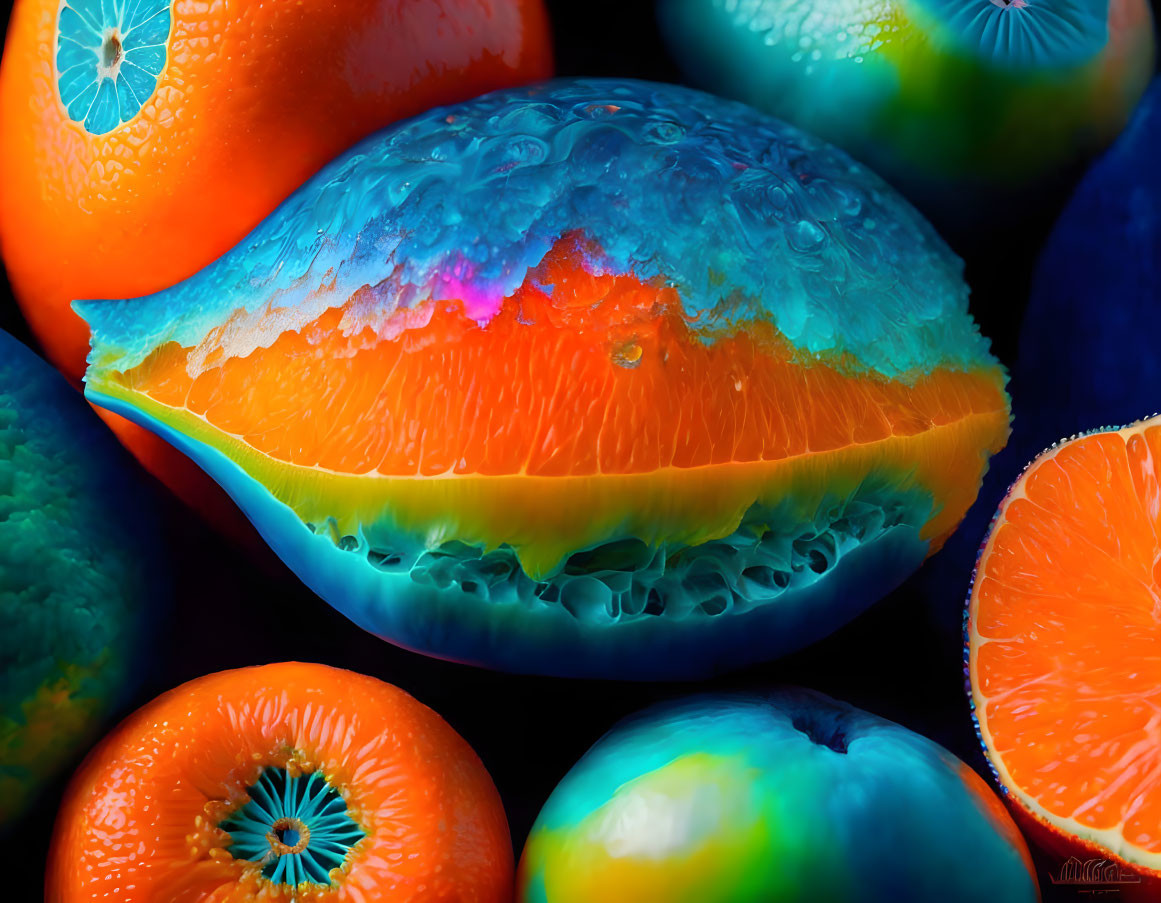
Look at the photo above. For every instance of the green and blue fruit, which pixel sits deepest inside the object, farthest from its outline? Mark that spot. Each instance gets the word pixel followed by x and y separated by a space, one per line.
pixel 79 575
pixel 786 796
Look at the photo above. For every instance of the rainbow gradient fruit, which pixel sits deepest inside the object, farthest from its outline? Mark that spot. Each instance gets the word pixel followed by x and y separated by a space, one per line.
pixel 597 377
pixel 80 576
pixel 141 140
pixel 1064 647
pixel 282 782
pixel 951 100
pixel 787 796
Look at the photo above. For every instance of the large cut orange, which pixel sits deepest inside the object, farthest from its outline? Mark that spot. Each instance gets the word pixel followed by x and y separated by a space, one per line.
pixel 1064 647
pixel 141 139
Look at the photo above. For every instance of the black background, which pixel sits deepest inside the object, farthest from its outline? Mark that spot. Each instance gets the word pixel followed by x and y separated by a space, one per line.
pixel 234 607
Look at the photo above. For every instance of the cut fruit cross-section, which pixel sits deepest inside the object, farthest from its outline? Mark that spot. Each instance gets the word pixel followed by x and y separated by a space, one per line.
pixel 1064 644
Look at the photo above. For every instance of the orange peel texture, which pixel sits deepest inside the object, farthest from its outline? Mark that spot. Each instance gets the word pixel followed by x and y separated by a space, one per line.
pixel 215 112
pixel 166 809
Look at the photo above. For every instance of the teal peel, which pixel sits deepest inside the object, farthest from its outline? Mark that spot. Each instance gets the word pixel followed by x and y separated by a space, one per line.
pixel 81 575
pixel 108 58
pixel 298 826
pixel 462 201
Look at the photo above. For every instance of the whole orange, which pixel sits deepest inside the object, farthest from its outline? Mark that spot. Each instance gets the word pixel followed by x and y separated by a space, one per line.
pixel 141 139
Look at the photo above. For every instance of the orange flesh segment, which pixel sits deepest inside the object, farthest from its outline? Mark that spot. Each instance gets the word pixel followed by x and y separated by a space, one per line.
pixel 604 376
pixel 1066 641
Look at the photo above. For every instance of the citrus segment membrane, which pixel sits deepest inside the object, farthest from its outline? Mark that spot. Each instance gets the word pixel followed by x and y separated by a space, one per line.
pixel 1063 641
pixel 109 57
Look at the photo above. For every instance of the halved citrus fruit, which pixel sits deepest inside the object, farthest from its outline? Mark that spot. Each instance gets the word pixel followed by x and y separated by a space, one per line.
pixel 597 377
pixel 1064 643
pixel 139 141
pixel 282 782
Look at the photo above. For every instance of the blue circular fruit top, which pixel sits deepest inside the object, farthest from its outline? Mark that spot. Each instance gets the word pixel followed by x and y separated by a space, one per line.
pixel 109 54
pixel 298 827
pixel 1024 34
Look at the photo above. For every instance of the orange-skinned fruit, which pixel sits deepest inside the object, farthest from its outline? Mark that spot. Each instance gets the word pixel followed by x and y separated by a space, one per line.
pixel 221 116
pixel 375 798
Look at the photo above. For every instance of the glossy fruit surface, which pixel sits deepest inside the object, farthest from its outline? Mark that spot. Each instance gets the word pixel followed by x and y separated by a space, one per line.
pixel 941 97
pixel 1064 647
pixel 489 386
pixel 286 781
pixel 787 796
pixel 80 580
pixel 139 141
pixel 1086 354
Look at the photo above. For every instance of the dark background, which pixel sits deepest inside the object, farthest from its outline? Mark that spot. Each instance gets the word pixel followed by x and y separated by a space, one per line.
pixel 902 659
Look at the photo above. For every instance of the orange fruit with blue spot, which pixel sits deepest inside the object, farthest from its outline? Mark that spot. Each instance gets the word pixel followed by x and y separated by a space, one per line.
pixel 141 139
pixel 287 781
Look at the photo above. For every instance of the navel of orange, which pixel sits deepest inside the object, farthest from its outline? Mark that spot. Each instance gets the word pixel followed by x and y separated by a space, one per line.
pixel 148 818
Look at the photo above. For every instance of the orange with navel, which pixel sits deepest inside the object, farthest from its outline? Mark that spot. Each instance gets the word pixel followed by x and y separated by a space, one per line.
pixel 282 782
pixel 141 139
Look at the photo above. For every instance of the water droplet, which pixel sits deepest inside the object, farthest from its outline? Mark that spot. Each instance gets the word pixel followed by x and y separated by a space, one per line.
pixel 664 132
pixel 806 237
pixel 850 201
pixel 628 355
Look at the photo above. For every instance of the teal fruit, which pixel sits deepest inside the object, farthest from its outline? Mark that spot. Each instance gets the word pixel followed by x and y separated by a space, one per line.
pixel 79 575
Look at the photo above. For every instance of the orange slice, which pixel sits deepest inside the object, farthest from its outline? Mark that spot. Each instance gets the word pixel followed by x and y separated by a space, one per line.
pixel 1064 644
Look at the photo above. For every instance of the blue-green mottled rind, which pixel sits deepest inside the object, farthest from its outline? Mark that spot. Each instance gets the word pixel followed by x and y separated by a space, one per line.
pixel 79 573
pixel 743 214
pixel 836 804
pixel 970 107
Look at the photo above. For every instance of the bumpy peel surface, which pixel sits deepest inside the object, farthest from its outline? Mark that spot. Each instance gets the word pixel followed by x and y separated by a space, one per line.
pixel 143 819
